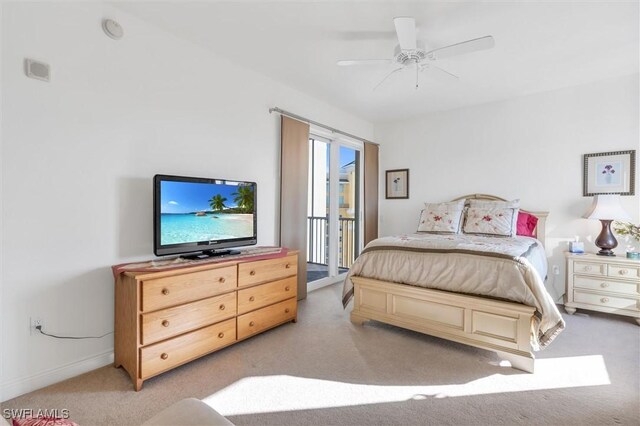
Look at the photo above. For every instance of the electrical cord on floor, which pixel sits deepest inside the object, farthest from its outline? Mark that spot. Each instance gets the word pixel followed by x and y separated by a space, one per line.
pixel 39 328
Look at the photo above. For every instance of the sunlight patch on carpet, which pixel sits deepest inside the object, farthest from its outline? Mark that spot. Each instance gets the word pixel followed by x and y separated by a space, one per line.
pixel 270 394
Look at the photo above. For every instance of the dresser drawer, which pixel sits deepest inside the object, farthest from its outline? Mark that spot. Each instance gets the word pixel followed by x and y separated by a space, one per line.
pixel 170 322
pixel 606 285
pixel 178 289
pixel 258 296
pixel 267 270
pixel 608 301
pixel 260 320
pixel 162 356
pixel 625 272
pixel 591 268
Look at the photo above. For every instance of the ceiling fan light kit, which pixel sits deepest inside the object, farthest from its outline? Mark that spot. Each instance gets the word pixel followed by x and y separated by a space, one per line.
pixel 413 52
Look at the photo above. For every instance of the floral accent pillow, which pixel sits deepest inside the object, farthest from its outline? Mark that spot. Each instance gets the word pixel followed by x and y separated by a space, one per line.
pixel 42 421
pixel 443 218
pixel 491 221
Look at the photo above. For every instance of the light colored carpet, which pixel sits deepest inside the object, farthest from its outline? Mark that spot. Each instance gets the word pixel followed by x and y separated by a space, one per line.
pixel 325 370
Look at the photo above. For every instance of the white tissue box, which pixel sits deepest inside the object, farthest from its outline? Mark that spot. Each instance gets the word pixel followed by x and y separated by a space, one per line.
pixel 576 247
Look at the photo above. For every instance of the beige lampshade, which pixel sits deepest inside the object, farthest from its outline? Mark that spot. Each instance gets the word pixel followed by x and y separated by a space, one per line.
pixel 606 207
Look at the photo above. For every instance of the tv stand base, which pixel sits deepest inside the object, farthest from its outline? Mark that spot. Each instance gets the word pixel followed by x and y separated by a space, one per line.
pixel 210 253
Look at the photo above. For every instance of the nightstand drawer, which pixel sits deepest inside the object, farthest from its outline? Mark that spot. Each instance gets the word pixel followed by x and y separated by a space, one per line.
pixel 606 285
pixel 605 300
pixel 591 268
pixel 623 271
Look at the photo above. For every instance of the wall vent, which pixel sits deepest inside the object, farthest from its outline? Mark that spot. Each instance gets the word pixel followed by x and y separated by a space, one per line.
pixel 37 70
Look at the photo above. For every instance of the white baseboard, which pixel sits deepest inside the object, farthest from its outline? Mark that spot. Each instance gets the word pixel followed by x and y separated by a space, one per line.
pixel 17 387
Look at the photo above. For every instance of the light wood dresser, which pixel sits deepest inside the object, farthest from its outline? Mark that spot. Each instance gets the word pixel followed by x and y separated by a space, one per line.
pixel 603 283
pixel 165 319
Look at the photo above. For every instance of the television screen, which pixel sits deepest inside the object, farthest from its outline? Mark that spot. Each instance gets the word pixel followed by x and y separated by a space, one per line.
pixel 197 214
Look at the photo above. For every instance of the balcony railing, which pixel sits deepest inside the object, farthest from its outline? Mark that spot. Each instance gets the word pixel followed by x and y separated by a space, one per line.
pixel 318 249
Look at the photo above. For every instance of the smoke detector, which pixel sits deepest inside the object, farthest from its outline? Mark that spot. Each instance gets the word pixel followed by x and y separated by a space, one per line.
pixel 112 29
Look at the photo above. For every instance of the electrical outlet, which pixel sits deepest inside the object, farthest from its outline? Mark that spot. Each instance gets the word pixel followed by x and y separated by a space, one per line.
pixel 33 323
pixel 556 270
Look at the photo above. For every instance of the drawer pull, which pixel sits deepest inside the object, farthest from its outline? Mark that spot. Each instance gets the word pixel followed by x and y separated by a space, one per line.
pixel 164 355
pixel 604 299
pixel 165 323
pixel 587 268
pixel 623 271
pixel 252 273
pixel 287 288
pixel 222 307
pixel 604 285
pixel 251 299
pixel 221 335
pixel 286 311
pixel 288 266
pixel 222 280
pixel 165 291
pixel 251 324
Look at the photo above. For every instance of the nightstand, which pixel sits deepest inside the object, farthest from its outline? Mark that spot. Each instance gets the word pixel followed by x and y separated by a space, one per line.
pixel 604 284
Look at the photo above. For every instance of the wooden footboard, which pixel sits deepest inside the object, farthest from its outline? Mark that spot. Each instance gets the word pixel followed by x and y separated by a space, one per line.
pixel 503 327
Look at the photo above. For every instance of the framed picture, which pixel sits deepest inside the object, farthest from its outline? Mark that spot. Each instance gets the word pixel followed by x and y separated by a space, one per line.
pixel 397 184
pixel 610 173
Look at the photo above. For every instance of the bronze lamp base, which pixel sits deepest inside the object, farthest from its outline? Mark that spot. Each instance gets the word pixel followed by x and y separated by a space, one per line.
pixel 606 241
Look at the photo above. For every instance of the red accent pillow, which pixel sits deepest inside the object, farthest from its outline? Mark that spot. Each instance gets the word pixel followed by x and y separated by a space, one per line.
pixel 526 224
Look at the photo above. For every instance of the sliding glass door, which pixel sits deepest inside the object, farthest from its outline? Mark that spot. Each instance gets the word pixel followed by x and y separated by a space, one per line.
pixel 334 209
pixel 318 207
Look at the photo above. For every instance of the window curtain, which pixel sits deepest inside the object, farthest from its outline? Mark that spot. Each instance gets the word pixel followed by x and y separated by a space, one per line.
pixel 370 192
pixel 294 186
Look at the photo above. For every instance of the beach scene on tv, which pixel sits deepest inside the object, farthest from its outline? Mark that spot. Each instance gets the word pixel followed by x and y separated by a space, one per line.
pixel 192 212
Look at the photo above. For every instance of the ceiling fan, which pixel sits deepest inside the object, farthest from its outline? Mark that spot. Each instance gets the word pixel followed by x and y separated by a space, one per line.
pixel 413 52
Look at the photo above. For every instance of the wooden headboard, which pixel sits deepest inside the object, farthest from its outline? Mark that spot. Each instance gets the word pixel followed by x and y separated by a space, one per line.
pixel 540 231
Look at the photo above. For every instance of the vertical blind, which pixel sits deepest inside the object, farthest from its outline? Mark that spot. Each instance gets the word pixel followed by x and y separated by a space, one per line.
pixel 370 192
pixel 294 176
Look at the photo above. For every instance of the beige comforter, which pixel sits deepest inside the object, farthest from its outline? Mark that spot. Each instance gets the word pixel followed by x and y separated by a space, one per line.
pixel 496 267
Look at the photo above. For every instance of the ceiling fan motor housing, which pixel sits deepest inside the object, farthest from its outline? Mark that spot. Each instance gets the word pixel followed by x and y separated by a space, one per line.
pixel 406 57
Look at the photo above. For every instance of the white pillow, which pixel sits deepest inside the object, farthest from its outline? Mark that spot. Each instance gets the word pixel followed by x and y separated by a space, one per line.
pixel 500 221
pixel 444 218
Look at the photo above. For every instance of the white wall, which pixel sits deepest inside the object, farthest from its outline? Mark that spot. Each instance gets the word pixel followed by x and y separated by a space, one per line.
pixel 529 148
pixel 78 155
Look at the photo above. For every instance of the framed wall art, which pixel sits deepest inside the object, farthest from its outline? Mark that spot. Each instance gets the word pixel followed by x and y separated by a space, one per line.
pixel 609 173
pixel 397 184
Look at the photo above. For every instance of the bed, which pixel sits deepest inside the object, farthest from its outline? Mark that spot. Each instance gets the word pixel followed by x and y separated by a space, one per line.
pixel 482 291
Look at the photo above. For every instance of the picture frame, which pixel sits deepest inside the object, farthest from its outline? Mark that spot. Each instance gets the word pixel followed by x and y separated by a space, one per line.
pixel 609 173
pixel 397 184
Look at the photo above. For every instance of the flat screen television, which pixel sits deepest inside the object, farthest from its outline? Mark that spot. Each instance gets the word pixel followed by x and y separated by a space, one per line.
pixel 201 216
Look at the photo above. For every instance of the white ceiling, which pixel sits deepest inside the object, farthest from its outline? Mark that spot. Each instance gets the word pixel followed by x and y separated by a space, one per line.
pixel 540 46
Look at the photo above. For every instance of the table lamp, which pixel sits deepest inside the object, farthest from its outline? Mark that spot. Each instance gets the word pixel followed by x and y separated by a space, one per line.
pixel 606 208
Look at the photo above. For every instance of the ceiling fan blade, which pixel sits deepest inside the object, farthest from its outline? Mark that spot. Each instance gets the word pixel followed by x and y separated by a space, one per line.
pixel 387 76
pixel 462 48
pixel 406 30
pixel 347 63
pixel 445 72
